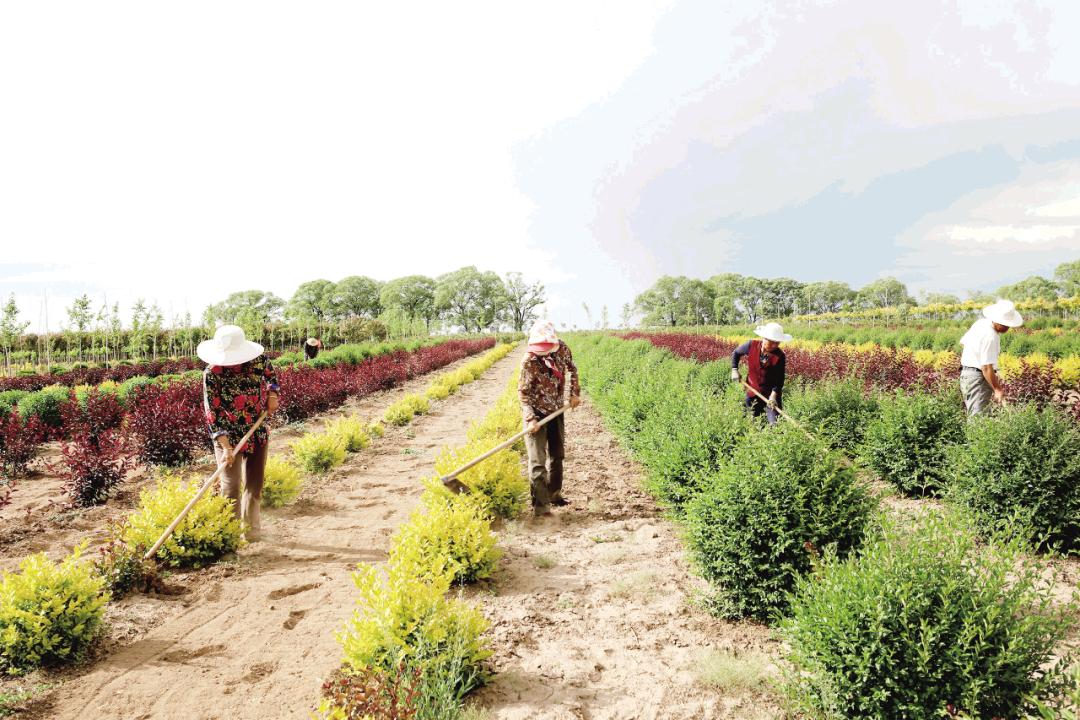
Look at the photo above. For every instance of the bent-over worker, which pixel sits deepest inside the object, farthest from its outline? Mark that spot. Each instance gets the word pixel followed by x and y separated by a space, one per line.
pixel 766 367
pixel 237 386
pixel 979 382
pixel 541 387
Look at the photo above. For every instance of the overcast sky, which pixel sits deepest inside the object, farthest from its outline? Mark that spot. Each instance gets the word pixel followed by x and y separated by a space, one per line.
pixel 182 151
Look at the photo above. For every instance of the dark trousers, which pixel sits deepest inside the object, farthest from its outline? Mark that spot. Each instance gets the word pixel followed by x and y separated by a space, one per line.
pixel 757 406
pixel 546 449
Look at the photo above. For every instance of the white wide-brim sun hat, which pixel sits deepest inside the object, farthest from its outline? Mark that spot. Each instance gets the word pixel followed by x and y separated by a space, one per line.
pixel 772 331
pixel 228 347
pixel 1003 312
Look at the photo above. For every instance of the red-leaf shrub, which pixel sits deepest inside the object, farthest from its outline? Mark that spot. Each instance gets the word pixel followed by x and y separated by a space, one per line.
pixel 95 414
pixel 92 465
pixel 19 441
pixel 167 424
pixel 1035 384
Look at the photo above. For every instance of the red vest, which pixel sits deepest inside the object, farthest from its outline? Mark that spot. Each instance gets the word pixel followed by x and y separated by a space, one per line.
pixel 756 375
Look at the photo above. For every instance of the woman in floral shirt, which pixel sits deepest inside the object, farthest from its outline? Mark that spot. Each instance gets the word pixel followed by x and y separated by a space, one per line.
pixel 238 386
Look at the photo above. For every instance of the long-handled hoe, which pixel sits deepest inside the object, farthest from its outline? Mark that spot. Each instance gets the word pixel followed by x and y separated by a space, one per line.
pixel 844 458
pixel 453 484
pixel 202 491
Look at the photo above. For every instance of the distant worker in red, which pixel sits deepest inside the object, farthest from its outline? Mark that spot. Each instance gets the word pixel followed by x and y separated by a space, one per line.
pixel 767 366
pixel 541 389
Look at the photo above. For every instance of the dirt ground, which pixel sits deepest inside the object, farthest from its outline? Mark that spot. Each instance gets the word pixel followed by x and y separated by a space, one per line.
pixel 593 610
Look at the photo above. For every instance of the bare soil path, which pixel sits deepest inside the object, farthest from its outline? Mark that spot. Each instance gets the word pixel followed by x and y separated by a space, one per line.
pixel 594 610
pixel 253 637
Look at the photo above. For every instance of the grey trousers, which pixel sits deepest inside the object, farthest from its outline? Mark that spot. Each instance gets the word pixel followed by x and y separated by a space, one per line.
pixel 247 472
pixel 546 449
pixel 978 395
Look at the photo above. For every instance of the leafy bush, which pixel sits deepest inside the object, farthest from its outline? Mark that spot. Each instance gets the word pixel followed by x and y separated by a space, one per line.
pixel 92 465
pixel 19 443
pixel 350 431
pixel 925 623
pixel 840 411
pixel 45 405
pixel 282 482
pixel 402 412
pixel 450 535
pixel 91 412
pixel 1021 469
pixel 409 619
pixel 318 453
pixel 9 399
pixel 499 482
pixel 130 387
pixel 376 429
pixel 122 568
pixel 168 424
pixel 372 693
pixel 49 613
pixel 908 442
pixel 209 531
pixel 754 527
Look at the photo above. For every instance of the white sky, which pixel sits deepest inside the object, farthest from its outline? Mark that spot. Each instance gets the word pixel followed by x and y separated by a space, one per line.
pixel 179 152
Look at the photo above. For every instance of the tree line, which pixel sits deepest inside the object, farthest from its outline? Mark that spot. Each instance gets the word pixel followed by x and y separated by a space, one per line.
pixel 353 309
pixel 730 298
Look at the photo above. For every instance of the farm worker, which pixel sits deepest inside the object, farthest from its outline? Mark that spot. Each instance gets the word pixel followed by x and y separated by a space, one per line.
pixel 541 388
pixel 238 384
pixel 312 347
pixel 979 382
pixel 767 365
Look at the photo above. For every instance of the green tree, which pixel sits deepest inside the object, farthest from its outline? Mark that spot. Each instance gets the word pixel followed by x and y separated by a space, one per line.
pixel 522 299
pixel 254 306
pixel 677 301
pixel 470 298
pixel 1068 278
pixel 1033 288
pixel 10 329
pixel 627 314
pixel 886 292
pixel 79 317
pixel 781 297
pixel 137 339
pixel 356 296
pixel 827 296
pixel 154 323
pixel 311 302
pixel 940 299
pixel 414 295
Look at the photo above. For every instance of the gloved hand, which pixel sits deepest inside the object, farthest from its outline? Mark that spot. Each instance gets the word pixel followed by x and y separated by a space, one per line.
pixel 772 400
pixel 735 374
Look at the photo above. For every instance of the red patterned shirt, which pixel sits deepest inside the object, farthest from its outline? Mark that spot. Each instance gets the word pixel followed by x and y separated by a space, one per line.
pixel 234 396
pixel 543 382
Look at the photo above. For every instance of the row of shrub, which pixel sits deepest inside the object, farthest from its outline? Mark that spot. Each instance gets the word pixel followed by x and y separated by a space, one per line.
pixel 917 620
pixel 50 612
pixel 404 410
pixel 1058 341
pixel 161 423
pixel 411 649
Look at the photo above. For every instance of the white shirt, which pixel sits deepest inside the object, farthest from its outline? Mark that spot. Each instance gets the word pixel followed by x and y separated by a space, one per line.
pixel 982 345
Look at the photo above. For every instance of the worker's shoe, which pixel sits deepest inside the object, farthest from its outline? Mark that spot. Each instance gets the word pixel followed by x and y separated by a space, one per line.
pixel 559 501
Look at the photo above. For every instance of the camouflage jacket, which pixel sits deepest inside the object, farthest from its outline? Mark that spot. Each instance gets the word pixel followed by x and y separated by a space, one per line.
pixel 540 388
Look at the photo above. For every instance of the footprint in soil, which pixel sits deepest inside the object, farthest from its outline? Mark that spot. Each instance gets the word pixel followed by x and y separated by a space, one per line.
pixel 293 590
pixel 294 619
pixel 260 671
pixel 181 656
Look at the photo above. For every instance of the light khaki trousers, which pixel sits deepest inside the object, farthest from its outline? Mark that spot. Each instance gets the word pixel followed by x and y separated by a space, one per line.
pixel 247 473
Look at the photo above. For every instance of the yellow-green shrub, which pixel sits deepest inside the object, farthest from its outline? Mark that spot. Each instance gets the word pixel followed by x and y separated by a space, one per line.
pixel 1070 370
pixel 318 453
pixel 209 531
pixel 409 620
pixel 376 429
pixel 282 482
pixel 452 534
pixel 402 412
pixel 351 432
pixel 499 479
pixel 49 613
pixel 502 422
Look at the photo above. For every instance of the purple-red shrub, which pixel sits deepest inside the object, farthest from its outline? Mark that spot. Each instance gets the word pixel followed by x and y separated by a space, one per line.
pixel 167 423
pixel 92 465
pixel 19 442
pixel 95 414
pixel 1035 384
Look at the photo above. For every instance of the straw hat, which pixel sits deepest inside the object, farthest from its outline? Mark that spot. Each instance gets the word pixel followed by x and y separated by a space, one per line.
pixel 772 331
pixel 1003 312
pixel 542 338
pixel 229 347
